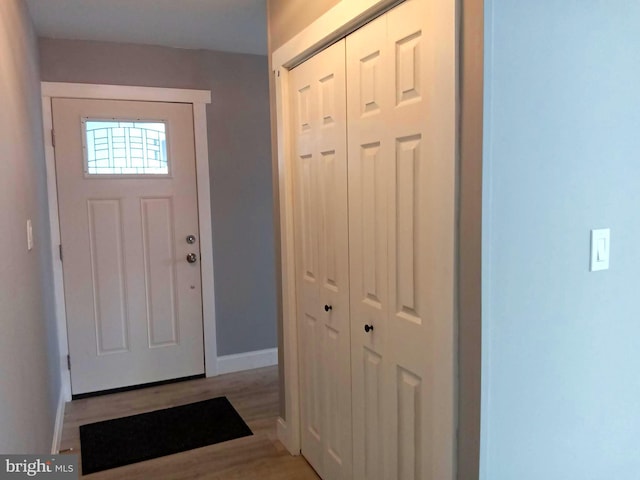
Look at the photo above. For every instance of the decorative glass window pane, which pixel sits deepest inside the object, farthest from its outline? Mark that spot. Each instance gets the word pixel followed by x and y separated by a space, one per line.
pixel 125 148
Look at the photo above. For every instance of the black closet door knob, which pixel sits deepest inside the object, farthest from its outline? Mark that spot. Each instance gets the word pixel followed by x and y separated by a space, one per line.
pixel 368 328
pixel 328 308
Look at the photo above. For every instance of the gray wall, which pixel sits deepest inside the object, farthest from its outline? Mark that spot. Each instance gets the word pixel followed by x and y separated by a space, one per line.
pixel 287 18
pixel 29 358
pixel 561 388
pixel 239 157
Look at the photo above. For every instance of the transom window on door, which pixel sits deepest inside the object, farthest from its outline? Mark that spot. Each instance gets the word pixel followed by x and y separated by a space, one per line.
pixel 125 147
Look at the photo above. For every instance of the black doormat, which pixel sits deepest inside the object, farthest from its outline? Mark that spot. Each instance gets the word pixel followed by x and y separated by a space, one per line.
pixel 127 440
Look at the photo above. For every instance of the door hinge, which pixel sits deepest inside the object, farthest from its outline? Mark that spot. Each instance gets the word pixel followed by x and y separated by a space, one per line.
pixel 60 250
pixel 53 137
pixel 69 362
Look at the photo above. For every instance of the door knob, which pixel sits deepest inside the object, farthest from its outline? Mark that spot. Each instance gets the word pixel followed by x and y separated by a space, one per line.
pixel 368 328
pixel 191 239
pixel 192 258
pixel 328 308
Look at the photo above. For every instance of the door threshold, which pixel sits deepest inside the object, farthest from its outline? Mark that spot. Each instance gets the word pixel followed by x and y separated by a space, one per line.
pixel 100 393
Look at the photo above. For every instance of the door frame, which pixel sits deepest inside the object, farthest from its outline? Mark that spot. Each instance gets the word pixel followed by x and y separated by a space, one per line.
pixel 199 100
pixel 336 23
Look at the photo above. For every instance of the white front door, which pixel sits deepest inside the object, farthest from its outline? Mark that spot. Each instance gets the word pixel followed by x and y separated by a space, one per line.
pixel 322 268
pixel 129 220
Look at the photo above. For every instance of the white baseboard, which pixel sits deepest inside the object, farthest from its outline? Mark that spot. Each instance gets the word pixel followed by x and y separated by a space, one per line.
pixel 247 360
pixel 57 429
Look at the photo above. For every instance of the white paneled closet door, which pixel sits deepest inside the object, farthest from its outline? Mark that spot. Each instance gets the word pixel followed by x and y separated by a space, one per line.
pixel 402 175
pixel 318 119
pixel 369 101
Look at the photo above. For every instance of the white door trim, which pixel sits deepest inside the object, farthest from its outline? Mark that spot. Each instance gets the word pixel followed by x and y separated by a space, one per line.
pixel 199 100
pixel 338 22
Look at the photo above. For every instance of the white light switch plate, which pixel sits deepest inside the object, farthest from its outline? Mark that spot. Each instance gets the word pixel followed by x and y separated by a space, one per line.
pixel 600 249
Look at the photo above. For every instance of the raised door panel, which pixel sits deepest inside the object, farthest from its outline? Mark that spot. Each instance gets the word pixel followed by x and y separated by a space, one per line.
pixel 313 410
pixel 411 462
pixel 408 237
pixel 329 176
pixel 160 271
pixel 309 218
pixel 372 409
pixel 108 276
pixel 336 449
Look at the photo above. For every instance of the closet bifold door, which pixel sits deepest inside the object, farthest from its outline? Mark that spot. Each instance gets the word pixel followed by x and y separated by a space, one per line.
pixel 401 87
pixel 369 102
pixel 319 153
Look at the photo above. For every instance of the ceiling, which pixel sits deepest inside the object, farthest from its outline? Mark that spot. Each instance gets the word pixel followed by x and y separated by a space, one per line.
pixel 227 25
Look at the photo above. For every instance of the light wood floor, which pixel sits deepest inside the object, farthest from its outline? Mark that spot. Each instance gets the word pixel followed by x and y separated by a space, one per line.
pixel 253 393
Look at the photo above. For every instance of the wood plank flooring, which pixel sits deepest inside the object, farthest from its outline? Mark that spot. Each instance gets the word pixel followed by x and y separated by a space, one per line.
pixel 253 393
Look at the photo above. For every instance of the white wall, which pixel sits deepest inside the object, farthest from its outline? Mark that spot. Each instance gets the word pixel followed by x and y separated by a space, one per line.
pixel 561 346
pixel 29 363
